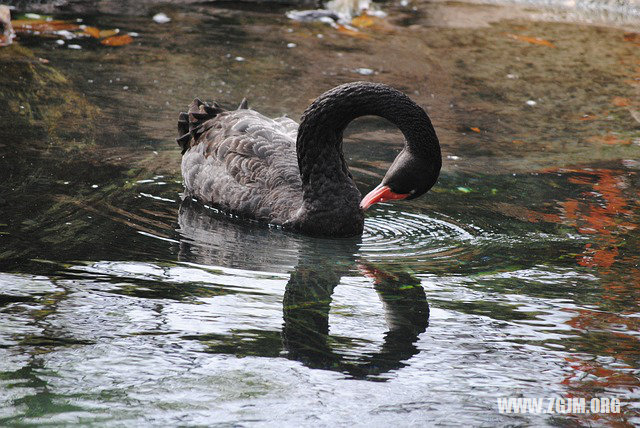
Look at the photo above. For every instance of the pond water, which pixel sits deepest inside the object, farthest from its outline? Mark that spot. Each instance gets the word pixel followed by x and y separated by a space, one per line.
pixel 516 276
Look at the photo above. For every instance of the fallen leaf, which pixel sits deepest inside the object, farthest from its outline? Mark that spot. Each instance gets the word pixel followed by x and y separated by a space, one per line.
pixel 475 129
pixel 363 21
pixel 632 37
pixel 117 40
pixel 92 31
pixel 108 33
pixel 350 32
pixel 620 101
pixel 370 22
pixel 609 139
pixel 532 40
pixel 29 25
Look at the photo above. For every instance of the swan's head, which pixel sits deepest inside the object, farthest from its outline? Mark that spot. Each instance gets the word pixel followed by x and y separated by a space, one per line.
pixel 408 177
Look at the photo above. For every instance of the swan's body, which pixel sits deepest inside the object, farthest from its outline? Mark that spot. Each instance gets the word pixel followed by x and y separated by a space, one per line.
pixel 246 164
pixel 275 171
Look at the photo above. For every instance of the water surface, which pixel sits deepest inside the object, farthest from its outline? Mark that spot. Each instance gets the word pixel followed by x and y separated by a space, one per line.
pixel 517 275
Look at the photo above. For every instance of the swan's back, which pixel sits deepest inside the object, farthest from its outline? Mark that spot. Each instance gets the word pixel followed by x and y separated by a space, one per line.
pixel 241 161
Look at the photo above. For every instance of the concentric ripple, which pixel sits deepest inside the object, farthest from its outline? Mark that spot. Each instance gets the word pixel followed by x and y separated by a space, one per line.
pixel 391 233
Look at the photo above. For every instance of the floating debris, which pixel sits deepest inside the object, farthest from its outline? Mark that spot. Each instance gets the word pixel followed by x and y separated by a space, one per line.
pixel 74 46
pixel 531 103
pixel 92 31
pixel 318 15
pixel 42 26
pixel 65 33
pixel 161 18
pixel 532 40
pixel 364 71
pixel 108 33
pixel 348 9
pixel 291 45
pixel 337 12
pixel 239 58
pixel 620 101
pixel 632 37
pixel 125 39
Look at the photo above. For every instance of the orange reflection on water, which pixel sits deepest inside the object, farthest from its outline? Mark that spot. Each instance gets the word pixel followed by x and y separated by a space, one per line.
pixel 602 211
pixel 607 211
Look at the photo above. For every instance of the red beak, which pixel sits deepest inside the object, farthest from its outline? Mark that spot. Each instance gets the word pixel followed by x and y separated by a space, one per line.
pixel 380 194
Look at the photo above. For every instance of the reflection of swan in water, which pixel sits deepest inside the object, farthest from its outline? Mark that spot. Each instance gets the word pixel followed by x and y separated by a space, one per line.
pixel 316 266
pixel 307 300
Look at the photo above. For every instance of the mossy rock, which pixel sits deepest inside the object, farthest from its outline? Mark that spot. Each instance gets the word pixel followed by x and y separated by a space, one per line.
pixel 38 104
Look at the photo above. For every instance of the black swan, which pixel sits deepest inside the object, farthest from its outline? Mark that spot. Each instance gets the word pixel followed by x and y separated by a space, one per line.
pixel 274 171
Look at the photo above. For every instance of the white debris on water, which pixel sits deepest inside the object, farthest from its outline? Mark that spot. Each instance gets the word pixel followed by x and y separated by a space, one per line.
pixel 291 45
pixel 240 58
pixel 66 34
pixel 337 11
pixel 60 42
pixel 161 18
pixel 348 9
pixel 318 15
pixel 512 76
pixel 74 47
pixel 531 103
pixel 364 71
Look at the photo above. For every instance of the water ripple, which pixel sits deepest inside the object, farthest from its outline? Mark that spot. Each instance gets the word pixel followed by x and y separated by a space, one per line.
pixel 391 233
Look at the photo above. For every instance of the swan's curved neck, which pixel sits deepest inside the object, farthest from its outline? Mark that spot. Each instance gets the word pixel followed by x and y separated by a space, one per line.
pixel 319 142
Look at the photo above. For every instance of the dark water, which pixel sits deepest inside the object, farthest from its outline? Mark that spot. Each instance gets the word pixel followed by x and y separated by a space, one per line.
pixel 517 275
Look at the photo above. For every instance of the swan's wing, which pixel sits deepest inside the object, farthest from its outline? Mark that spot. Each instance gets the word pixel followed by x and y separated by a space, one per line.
pixel 245 163
pixel 289 126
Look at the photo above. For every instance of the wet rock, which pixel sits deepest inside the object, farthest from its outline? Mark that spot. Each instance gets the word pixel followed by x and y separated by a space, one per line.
pixel 38 100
